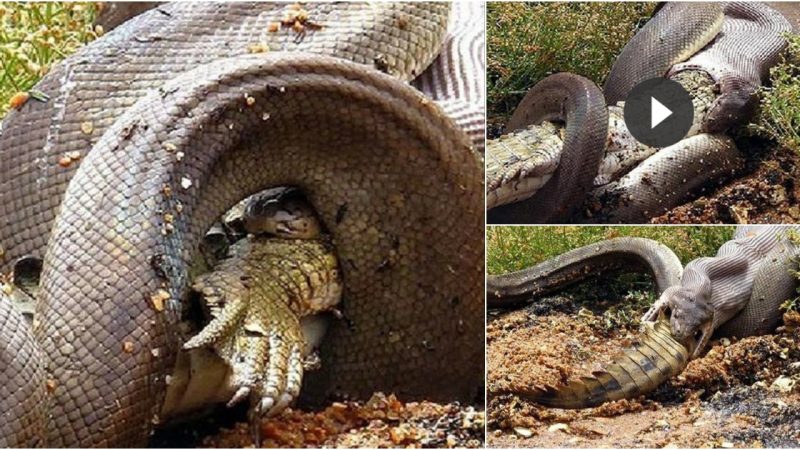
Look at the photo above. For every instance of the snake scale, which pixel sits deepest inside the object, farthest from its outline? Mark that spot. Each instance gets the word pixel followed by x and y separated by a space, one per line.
pixel 184 117
pixel 736 293
pixel 720 52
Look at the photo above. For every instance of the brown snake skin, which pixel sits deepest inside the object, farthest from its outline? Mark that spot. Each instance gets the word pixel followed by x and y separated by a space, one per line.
pixel 578 102
pixel 390 175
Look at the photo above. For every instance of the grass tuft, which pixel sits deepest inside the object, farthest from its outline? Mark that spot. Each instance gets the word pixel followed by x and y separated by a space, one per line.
pixel 779 115
pixel 34 36
pixel 528 41
pixel 515 248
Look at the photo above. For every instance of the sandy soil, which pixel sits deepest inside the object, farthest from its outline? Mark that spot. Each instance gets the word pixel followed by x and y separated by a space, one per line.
pixel 382 421
pixel 736 395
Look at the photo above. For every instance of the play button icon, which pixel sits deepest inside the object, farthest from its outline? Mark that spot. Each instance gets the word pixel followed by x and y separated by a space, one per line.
pixel 658 112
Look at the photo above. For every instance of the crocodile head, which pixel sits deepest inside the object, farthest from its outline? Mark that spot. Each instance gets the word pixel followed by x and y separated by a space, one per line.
pixel 691 317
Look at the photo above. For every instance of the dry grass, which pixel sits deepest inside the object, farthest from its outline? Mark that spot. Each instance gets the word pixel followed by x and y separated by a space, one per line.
pixel 34 36
pixel 779 117
pixel 528 41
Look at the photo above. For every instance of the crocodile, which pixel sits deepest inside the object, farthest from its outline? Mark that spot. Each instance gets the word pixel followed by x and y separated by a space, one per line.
pixel 736 293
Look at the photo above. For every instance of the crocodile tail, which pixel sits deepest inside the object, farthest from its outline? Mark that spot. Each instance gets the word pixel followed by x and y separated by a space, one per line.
pixel 655 357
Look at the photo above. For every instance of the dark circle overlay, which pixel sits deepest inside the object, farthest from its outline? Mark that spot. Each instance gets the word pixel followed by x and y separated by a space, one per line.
pixel 638 112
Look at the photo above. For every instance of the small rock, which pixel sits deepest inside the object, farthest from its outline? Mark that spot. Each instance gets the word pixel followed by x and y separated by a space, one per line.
pixel 524 432
pixel 558 427
pixel 87 127
pixel 158 299
pixel 740 215
pixel 783 384
pixel 726 444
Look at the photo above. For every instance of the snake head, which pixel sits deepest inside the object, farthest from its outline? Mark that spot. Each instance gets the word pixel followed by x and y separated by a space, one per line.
pixel 691 317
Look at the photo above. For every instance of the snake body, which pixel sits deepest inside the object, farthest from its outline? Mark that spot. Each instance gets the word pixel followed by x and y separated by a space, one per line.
pixel 182 123
pixel 737 293
pixel 579 103
pixel 619 254
pixel 736 62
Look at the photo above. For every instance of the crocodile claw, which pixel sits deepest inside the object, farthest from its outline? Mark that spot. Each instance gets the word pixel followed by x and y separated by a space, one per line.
pixel 261 341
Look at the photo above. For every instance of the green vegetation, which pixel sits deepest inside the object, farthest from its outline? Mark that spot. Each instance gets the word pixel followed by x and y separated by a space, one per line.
pixel 528 41
pixel 779 117
pixel 33 36
pixel 514 248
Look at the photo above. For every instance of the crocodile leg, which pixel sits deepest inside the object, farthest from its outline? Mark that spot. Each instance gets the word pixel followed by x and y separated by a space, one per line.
pixel 255 300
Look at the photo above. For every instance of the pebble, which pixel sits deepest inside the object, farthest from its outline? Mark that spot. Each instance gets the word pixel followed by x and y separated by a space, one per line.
pixel 87 127
pixel 524 432
pixel 783 384
pixel 558 427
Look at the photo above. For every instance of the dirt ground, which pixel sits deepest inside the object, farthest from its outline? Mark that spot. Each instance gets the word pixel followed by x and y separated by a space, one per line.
pixel 741 393
pixel 766 192
pixel 381 422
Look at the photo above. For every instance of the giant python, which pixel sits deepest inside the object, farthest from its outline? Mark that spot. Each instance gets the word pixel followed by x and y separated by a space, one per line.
pixel 736 293
pixel 180 113
pixel 569 157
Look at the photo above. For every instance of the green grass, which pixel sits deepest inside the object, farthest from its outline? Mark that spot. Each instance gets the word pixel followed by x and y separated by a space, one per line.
pixel 606 303
pixel 528 41
pixel 515 248
pixel 779 116
pixel 34 36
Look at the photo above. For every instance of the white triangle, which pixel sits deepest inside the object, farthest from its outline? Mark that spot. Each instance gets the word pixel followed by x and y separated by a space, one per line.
pixel 658 112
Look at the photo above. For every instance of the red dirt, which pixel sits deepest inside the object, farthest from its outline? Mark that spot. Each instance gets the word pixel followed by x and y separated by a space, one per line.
pixel 723 399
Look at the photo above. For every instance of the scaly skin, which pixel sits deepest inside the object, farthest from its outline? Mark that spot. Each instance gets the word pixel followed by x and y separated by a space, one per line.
pixel 521 162
pixel 176 141
pixel 744 45
pixel 736 293
pixel 637 370
pixel 255 300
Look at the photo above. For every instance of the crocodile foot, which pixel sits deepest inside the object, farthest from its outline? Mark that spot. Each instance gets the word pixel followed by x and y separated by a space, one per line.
pixel 260 340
